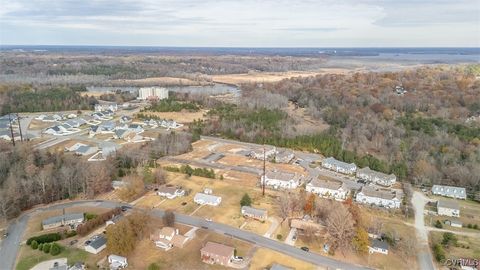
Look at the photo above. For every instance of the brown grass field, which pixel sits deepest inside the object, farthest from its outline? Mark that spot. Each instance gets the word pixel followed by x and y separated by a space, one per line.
pixel 162 81
pixel 183 117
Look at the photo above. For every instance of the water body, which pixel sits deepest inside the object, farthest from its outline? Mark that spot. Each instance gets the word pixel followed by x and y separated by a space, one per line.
pixel 215 89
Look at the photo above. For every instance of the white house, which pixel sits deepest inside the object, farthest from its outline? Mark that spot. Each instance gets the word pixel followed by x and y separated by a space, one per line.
pixel 381 197
pixel 96 245
pixel 163 237
pixel 376 177
pixel 86 150
pixel 328 189
pixel 449 191
pixel 260 214
pixel 284 180
pixel 73 146
pixel 202 199
pixel 378 246
pixel 258 153
pixel 62 220
pixel 339 166
pixel 57 130
pixel 152 93
pixel 117 262
pixel 448 208
pixel 105 105
pixel 170 192
pixel 136 128
pixel 284 156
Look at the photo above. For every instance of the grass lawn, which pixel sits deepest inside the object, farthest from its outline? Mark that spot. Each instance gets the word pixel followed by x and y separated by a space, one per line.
pixel 29 257
pixel 470 249
pixel 264 258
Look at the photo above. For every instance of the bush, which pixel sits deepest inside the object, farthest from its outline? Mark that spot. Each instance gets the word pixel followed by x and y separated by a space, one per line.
pixel 89 216
pixel 71 233
pixel 34 244
pixel 40 247
pixel 55 249
pixel 439 252
pixel 438 224
pixel 46 247
pixel 475 226
pixel 469 226
pixel 45 238
pixel 279 236
pixel 246 200
pixel 153 266
pixel 88 226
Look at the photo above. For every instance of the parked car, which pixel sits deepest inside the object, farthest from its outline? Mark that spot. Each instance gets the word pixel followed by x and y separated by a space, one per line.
pixel 87 242
pixel 294 237
pixel 305 249
pixel 238 258
pixel 5 235
pixel 125 207
pixel 73 242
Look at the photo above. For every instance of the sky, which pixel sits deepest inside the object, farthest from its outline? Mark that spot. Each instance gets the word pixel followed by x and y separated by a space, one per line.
pixel 242 23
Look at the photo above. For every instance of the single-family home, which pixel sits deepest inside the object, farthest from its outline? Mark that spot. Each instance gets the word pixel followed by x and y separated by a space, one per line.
pixel 339 166
pixel 163 237
pixel 215 253
pixel 248 211
pixel 117 262
pixel 380 197
pixel 97 244
pixel 284 156
pixel 125 119
pixel 208 199
pixel 94 130
pixel 304 224
pixel 86 150
pixel 100 116
pixel 73 146
pixel 105 106
pixel 179 241
pixel 151 123
pixel 378 246
pixel 107 127
pixel 454 223
pixel 328 189
pixel 52 118
pixel 121 133
pixel 376 177
pixel 448 208
pixel 136 127
pixel 57 130
pixel 72 219
pixel 449 191
pixel 278 179
pixel 170 192
pixel 258 153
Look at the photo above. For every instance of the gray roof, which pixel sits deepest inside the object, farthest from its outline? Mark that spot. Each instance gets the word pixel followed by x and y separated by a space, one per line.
pixel 83 149
pixel 66 217
pixel 120 132
pixel 449 191
pixel 379 175
pixel 277 266
pixel 380 193
pixel 328 184
pixel 206 197
pixel 338 163
pixel 283 176
pixel 99 242
pixel 375 243
pixel 254 211
pixel 448 204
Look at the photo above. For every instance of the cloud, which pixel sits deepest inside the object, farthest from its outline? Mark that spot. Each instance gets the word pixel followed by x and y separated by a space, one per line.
pixel 239 22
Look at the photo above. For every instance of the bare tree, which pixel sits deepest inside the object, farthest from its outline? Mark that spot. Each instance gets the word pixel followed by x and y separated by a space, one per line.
pixel 339 225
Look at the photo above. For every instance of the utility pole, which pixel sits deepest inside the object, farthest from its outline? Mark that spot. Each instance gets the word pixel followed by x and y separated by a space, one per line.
pixel 263 183
pixel 11 128
pixel 19 128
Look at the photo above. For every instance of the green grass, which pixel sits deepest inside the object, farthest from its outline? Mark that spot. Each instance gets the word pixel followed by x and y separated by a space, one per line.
pixel 30 258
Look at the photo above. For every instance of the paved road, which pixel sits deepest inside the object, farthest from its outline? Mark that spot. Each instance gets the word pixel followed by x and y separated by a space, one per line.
pixel 424 255
pixel 10 246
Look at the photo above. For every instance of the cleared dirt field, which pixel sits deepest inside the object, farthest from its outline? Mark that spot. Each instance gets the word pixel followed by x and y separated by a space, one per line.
pixel 183 117
pixel 303 120
pixel 259 77
pixel 37 124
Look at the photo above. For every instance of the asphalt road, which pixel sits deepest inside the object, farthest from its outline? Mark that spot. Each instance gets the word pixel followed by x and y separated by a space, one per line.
pixel 10 246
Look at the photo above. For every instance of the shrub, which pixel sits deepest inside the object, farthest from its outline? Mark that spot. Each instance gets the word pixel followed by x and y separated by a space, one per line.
pixel 469 226
pixel 89 216
pixel 246 200
pixel 40 247
pixel 279 236
pixel 46 247
pixel 88 226
pixel 45 238
pixel 475 226
pixel 34 244
pixel 55 249
pixel 153 266
pixel 438 224
pixel 439 252
pixel 71 233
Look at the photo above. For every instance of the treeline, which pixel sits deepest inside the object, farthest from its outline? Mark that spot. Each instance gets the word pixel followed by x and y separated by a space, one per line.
pixel 171 105
pixel 43 99
pixel 85 228
pixel 186 169
pixel 29 177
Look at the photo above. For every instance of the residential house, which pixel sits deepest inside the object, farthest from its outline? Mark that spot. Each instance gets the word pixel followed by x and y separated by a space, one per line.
pixel 215 253
pixel 284 156
pixel 170 192
pixel 179 241
pixel 449 191
pixel 136 127
pixel 52 118
pixel 448 208
pixel 208 199
pixel 73 146
pixel 378 246
pixel 117 262
pixel 86 150
pixel 328 189
pixel 72 219
pixel 125 119
pixel 107 127
pixel 105 105
pixel 376 177
pixel 94 130
pixel 114 220
pixel 306 224
pixel 57 130
pixel 6 134
pixel 278 179
pixel 454 223
pixel 96 245
pixel 121 133
pixel 163 237
pixel 100 116
pixel 339 166
pixel 260 214
pixel 380 197
pixel 151 123
pixel 258 153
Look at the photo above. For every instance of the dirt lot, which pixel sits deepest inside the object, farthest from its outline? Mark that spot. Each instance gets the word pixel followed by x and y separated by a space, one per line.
pixel 186 258
pixel 183 117
pixel 254 77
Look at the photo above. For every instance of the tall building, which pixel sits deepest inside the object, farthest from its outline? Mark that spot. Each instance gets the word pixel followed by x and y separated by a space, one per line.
pixel 152 93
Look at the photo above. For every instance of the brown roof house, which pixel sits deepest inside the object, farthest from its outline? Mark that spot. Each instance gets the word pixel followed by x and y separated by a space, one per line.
pixel 215 253
pixel 163 237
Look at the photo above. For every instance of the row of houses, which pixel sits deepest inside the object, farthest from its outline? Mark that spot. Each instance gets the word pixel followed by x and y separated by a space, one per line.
pixel 281 180
pixel 366 173
pixel 70 219
pixel 162 123
pixel 55 117
pixel 271 153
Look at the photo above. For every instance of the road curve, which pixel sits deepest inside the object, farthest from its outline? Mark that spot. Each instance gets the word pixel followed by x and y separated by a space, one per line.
pixel 9 247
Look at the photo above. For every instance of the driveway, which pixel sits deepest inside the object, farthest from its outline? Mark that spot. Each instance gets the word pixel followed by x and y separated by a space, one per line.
pixel 424 255
pixel 47 265
pixel 289 240
pixel 273 226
